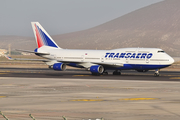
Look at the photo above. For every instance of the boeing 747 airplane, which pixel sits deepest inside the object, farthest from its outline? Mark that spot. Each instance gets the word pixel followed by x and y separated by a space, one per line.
pixel 97 61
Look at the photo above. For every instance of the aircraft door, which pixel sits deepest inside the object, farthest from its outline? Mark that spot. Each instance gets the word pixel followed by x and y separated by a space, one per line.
pixel 127 60
pixel 147 60
pixel 53 56
pixel 82 60
pixel 102 58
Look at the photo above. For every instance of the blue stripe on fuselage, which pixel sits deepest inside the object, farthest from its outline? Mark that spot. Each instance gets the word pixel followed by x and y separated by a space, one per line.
pixel 140 67
pixel 128 67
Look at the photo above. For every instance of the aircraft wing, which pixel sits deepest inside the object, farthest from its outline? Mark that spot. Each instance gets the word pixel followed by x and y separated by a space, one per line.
pixel 107 64
pixel 64 61
pixel 43 60
pixel 37 53
pixel 87 64
pixel 84 64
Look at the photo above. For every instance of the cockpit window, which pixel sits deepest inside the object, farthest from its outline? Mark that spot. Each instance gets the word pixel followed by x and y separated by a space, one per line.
pixel 161 51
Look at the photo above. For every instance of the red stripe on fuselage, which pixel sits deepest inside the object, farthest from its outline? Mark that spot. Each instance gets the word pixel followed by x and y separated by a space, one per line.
pixel 39 40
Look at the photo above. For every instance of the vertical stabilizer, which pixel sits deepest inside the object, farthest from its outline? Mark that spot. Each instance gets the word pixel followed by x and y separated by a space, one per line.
pixel 42 37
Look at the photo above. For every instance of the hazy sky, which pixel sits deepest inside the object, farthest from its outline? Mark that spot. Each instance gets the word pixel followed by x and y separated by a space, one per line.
pixel 62 16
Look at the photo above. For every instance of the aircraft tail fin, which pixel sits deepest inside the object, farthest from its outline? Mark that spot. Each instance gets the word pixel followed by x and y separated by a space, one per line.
pixel 42 37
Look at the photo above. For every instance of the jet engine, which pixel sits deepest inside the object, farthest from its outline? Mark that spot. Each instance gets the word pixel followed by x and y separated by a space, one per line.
pixel 97 69
pixel 59 66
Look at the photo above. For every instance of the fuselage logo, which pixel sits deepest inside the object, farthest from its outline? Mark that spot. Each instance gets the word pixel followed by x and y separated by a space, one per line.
pixel 129 55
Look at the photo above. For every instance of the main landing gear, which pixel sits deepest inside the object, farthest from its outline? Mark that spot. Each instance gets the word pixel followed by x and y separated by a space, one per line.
pixel 105 72
pixel 98 74
pixel 156 74
pixel 117 72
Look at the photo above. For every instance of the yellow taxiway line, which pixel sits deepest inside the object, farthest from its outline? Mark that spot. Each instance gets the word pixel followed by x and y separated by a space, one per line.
pixel 2 96
pixel 3 73
pixel 175 78
pixel 80 75
pixel 133 99
pixel 88 100
pixel 123 99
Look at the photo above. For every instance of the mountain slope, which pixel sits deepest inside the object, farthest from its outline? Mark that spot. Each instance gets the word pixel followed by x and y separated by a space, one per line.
pixel 157 25
pixel 17 42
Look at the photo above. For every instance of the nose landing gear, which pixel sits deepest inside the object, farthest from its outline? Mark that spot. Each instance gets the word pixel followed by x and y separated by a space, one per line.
pixel 156 74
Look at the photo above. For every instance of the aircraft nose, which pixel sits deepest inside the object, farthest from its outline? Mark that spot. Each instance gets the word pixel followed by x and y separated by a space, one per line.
pixel 171 60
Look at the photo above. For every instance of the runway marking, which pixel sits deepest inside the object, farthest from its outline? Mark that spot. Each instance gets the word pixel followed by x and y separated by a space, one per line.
pixel 87 100
pixel 6 72
pixel 133 99
pixel 2 96
pixel 3 73
pixel 124 99
pixel 175 78
pixel 80 75
pixel 83 75
pixel 171 75
pixel 7 85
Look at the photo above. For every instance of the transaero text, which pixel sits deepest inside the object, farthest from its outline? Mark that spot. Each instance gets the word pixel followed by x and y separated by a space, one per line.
pixel 129 55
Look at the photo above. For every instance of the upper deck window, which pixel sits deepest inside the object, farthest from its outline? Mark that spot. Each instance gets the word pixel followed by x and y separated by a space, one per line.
pixel 161 51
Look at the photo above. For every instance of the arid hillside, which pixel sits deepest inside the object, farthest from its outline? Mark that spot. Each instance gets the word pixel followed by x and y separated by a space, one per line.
pixel 17 42
pixel 157 26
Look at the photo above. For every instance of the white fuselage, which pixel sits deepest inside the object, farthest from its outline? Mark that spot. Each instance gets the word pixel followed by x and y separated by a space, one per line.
pixel 131 58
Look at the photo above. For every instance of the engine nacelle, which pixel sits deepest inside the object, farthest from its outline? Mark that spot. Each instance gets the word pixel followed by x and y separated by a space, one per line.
pixel 59 66
pixel 97 69
pixel 142 70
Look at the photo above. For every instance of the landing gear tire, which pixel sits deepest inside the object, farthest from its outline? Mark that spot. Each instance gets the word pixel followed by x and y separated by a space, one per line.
pixel 116 73
pixel 105 73
pixel 156 75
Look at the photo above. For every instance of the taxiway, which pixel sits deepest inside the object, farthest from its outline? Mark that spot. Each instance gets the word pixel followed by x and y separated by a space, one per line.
pixel 76 94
